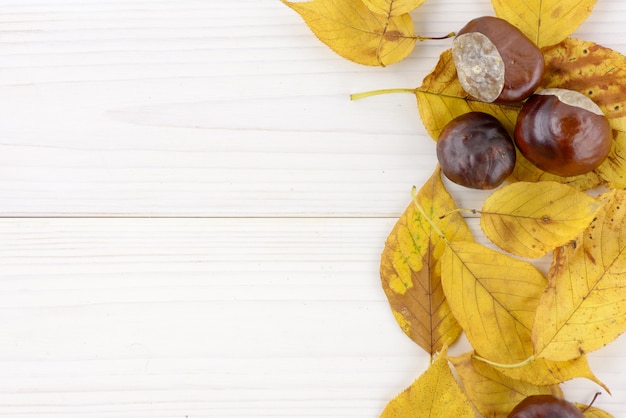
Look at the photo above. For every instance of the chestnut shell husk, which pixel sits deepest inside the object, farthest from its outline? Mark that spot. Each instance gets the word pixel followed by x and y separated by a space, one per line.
pixel 476 151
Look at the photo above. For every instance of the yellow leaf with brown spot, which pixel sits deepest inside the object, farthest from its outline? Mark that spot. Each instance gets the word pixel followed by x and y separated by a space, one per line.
pixel 584 305
pixel 532 219
pixel 435 394
pixel 492 393
pixel 585 67
pixel 392 7
pixel 410 266
pixel 545 22
pixel 494 297
pixel 353 31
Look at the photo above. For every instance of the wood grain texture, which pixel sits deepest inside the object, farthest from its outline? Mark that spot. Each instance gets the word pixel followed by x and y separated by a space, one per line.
pixel 192 211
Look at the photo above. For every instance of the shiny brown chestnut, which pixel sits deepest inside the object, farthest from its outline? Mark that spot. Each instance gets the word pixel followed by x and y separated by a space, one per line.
pixel 545 406
pixel 496 62
pixel 476 151
pixel 563 132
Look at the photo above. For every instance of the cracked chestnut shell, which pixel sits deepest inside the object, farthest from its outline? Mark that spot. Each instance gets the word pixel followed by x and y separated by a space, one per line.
pixel 496 62
pixel 545 406
pixel 563 132
pixel 476 151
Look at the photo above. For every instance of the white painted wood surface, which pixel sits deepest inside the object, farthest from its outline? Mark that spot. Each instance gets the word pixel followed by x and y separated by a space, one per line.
pixel 192 211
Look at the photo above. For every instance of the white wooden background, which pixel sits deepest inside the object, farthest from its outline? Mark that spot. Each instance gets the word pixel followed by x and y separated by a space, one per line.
pixel 192 211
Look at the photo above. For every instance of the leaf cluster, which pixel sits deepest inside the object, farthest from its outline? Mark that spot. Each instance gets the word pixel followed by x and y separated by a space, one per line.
pixel 369 32
pixel 529 331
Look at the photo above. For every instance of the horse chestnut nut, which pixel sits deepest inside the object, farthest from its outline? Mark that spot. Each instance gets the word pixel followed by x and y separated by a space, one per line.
pixel 476 151
pixel 495 61
pixel 563 132
pixel 545 406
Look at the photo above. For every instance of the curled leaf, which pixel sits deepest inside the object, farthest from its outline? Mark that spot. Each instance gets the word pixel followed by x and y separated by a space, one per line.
pixel 531 219
pixel 353 31
pixel 410 267
pixel 435 393
pixel 492 393
pixel 584 305
pixel 545 22
pixel 392 7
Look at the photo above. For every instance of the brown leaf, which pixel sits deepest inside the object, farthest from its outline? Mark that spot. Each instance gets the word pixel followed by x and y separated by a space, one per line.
pixel 410 267
pixel 353 31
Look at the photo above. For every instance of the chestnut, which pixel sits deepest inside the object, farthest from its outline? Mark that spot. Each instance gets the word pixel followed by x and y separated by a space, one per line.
pixel 545 406
pixel 563 132
pixel 476 151
pixel 496 62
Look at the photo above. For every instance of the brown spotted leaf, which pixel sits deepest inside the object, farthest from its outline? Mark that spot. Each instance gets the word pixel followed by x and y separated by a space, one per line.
pixel 353 31
pixel 410 267
pixel 600 73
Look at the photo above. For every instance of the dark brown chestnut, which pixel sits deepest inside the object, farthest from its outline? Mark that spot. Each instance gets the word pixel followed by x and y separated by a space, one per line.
pixel 545 406
pixel 563 132
pixel 496 62
pixel 476 151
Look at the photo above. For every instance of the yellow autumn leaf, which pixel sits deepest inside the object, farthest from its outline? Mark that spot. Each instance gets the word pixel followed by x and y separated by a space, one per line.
pixel 585 67
pixel 493 296
pixel 392 7
pixel 532 219
pixel 409 267
pixel 435 394
pixel 545 22
pixel 353 31
pixel 492 393
pixel 584 305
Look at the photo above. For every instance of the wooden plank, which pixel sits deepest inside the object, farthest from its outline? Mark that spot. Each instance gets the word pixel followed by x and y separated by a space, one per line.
pixel 209 317
pixel 205 109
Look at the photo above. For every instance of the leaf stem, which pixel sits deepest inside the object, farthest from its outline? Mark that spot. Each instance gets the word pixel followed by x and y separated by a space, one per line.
pixel 460 210
pixel 363 95
pixel 505 366
pixel 419 207
pixel 434 38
